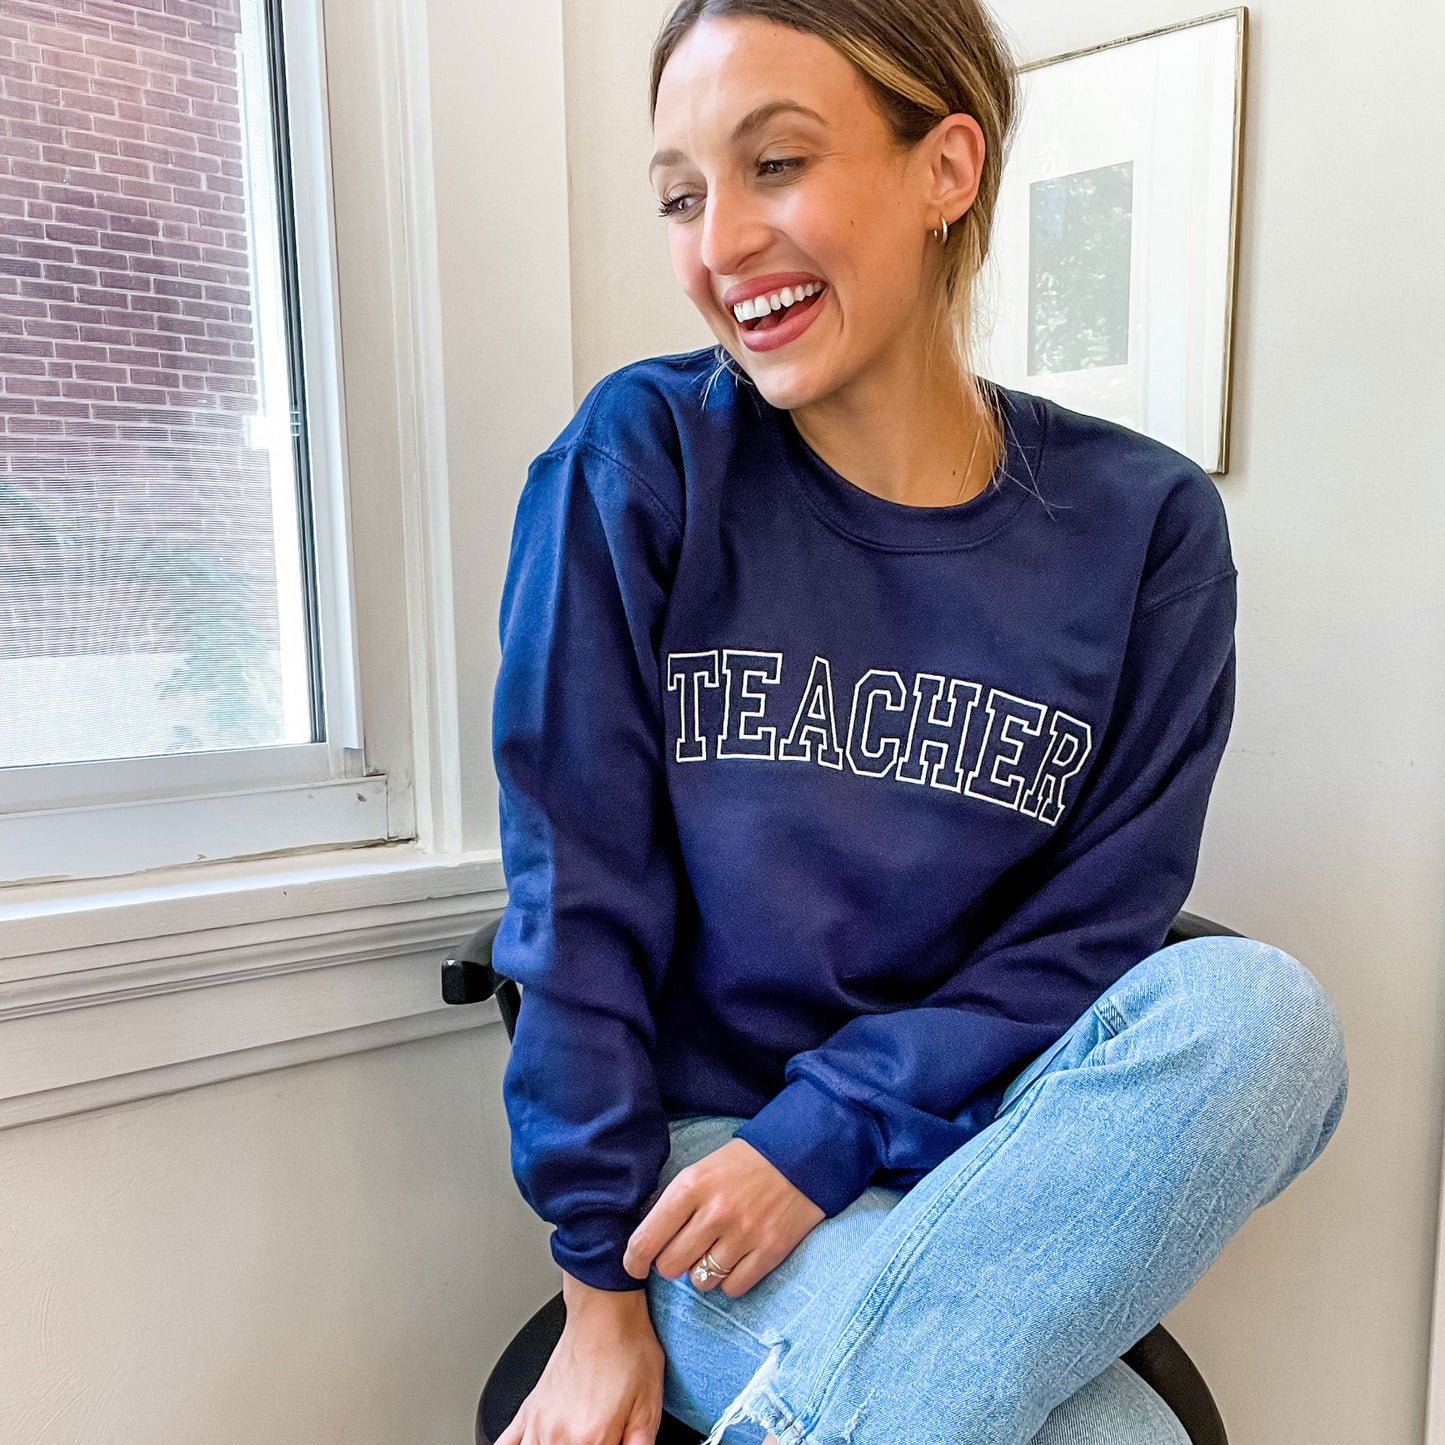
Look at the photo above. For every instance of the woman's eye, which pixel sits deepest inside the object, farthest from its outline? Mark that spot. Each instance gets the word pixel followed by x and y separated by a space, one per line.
pixel 676 205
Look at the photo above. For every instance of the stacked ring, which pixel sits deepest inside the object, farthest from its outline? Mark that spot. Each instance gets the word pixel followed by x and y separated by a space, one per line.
pixel 708 1268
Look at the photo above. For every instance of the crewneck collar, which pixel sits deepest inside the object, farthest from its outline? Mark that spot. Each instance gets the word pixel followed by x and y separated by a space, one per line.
pixel 874 521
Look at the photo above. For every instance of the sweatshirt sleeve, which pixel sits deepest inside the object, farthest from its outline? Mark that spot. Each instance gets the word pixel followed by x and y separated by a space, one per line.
pixel 588 847
pixel 901 1090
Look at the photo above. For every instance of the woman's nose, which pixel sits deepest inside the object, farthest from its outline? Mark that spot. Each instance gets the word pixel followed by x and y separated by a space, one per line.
pixel 733 229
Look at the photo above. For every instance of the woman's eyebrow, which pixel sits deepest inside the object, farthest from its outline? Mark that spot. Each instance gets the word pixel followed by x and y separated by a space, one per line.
pixel 759 115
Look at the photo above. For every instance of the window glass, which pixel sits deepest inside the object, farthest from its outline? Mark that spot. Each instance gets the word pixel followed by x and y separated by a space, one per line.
pixel 156 580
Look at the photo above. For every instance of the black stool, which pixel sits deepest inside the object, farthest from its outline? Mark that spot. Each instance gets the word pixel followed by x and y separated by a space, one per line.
pixel 1158 1358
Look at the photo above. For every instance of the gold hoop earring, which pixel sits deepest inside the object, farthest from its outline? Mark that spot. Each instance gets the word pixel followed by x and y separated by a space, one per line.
pixel 942 240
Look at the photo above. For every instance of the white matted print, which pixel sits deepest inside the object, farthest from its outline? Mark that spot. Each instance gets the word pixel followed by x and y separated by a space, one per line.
pixel 1110 280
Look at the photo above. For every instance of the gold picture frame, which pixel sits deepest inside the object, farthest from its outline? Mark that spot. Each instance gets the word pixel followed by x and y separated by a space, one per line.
pixel 1112 279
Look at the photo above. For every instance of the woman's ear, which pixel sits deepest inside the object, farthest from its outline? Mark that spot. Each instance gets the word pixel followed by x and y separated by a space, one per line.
pixel 959 150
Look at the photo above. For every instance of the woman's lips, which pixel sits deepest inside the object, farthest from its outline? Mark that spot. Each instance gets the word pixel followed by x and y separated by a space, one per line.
pixel 799 317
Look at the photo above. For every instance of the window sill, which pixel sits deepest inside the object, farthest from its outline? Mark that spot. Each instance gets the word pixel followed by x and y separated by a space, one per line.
pixel 120 989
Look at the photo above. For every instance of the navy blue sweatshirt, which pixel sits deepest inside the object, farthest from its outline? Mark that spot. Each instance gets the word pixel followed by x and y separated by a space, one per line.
pixel 825 810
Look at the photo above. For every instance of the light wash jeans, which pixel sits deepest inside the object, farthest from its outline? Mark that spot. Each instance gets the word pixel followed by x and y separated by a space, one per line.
pixel 989 1304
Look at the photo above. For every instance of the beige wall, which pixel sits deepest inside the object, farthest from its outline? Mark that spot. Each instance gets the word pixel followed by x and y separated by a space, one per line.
pixel 330 1253
pixel 1325 834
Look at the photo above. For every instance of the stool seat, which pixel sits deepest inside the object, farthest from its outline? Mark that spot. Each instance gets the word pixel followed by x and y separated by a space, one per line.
pixel 1158 1359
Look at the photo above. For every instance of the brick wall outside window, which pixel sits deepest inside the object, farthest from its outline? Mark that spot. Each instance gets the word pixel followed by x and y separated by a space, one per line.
pixel 135 518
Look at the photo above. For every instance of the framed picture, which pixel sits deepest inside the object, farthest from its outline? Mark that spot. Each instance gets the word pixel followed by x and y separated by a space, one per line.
pixel 1111 276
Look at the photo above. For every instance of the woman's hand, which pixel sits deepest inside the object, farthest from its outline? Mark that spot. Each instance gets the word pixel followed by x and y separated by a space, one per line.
pixel 603 1382
pixel 736 1204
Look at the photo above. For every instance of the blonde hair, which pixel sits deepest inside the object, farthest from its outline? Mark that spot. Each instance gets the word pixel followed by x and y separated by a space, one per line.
pixel 922 60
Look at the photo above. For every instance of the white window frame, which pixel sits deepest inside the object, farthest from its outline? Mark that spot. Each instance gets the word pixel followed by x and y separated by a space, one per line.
pixel 116 816
pixel 129 985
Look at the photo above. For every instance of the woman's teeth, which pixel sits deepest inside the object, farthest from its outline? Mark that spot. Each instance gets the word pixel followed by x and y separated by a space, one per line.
pixel 761 305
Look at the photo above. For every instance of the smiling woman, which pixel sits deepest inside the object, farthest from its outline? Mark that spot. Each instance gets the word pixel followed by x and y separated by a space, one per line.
pixel 855 727
pixel 848 163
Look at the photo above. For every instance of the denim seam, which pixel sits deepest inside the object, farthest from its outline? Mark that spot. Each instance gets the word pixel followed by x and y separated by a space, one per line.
pixel 682 1283
pixel 886 1285
pixel 1110 1015
pixel 1110 1028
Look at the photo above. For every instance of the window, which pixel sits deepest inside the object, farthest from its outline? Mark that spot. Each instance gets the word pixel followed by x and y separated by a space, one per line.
pixel 178 680
pixel 207 912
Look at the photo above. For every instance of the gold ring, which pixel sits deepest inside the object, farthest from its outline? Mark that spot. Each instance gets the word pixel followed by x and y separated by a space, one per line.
pixel 707 1268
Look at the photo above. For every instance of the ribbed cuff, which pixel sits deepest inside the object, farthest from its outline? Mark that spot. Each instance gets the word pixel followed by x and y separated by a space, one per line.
pixel 825 1148
pixel 590 1248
